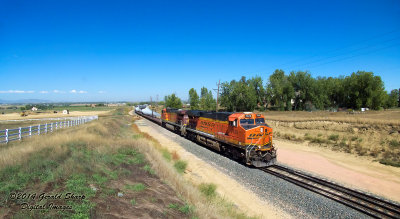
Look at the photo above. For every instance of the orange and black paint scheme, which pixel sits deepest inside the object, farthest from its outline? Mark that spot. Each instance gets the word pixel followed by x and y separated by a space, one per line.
pixel 242 135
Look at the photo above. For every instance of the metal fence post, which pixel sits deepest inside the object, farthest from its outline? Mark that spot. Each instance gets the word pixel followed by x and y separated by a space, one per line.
pixel 45 128
pixel 56 125
pixel 38 129
pixel 51 127
pixel 30 131
pixel 6 135
pixel 19 134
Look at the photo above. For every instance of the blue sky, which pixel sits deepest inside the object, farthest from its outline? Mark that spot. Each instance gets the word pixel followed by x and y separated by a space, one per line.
pixel 131 50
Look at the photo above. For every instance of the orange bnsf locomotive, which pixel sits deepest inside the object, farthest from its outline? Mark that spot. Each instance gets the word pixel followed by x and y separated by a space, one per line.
pixel 243 136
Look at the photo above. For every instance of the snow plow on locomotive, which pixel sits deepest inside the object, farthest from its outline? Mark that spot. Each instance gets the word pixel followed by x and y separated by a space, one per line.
pixel 243 136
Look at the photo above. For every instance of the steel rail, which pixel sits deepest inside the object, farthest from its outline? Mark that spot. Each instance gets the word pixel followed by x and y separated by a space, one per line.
pixel 362 202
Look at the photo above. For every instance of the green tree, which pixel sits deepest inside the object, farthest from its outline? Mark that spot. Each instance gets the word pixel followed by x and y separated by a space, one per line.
pixel 173 101
pixel 363 89
pixel 207 102
pixel 280 91
pixel 392 99
pixel 193 99
pixel 256 83
pixel 304 88
pixel 238 96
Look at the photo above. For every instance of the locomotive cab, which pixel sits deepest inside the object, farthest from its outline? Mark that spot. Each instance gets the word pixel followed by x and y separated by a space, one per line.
pixel 256 136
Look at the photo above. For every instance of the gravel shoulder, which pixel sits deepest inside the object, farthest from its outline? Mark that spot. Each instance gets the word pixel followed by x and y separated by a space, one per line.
pixel 250 189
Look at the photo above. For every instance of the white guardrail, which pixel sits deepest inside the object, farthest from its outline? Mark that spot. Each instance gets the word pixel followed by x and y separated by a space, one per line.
pixel 8 135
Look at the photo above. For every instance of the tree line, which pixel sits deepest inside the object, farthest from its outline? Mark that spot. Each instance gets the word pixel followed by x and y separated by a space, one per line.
pixel 295 91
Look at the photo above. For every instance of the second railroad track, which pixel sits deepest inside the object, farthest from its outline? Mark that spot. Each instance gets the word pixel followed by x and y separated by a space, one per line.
pixel 370 205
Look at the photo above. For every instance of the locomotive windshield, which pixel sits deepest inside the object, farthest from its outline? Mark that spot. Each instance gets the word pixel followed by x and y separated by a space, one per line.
pixel 260 121
pixel 247 123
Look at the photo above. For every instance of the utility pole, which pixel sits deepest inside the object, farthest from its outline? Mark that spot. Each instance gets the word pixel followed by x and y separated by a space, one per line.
pixel 157 101
pixel 151 102
pixel 219 83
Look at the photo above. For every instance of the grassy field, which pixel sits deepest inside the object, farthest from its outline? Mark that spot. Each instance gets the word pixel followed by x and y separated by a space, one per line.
pixel 59 109
pixel 105 168
pixel 384 117
pixel 83 108
pixel 373 133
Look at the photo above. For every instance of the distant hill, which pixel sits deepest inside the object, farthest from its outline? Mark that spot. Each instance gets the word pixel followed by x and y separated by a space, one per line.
pixel 24 101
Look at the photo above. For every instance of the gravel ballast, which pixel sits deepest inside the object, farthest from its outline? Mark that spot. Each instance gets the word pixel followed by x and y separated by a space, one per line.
pixel 293 199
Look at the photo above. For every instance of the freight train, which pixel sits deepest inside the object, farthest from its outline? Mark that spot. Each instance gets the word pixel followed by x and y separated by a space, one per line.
pixel 243 136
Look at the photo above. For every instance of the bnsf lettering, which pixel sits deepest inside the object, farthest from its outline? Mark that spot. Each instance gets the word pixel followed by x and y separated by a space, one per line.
pixel 255 135
pixel 207 123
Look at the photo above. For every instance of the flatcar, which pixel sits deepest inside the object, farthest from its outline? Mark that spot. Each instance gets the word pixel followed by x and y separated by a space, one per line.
pixel 243 136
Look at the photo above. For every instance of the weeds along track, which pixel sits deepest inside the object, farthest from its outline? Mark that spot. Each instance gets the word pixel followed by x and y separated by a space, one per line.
pixel 362 202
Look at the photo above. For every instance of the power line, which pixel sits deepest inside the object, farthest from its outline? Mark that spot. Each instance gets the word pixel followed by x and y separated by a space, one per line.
pixel 348 46
pixel 347 53
pixel 358 55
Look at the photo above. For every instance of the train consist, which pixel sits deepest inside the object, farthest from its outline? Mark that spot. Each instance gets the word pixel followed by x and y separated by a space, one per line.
pixel 243 136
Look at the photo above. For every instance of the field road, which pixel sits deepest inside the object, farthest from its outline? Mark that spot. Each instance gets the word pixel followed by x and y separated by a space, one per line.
pixel 356 172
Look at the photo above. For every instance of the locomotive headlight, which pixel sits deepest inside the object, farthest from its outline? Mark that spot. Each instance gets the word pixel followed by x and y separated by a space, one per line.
pixel 261 130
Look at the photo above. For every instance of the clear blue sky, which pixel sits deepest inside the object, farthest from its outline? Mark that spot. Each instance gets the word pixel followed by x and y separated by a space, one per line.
pixel 131 50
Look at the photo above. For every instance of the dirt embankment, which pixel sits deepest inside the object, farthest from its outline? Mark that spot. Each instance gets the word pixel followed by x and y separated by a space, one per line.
pixel 380 142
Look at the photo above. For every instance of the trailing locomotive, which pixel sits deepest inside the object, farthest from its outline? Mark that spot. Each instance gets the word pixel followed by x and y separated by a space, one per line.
pixel 243 136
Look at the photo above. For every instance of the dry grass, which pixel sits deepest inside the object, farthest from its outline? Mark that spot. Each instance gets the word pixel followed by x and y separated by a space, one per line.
pixel 374 134
pixel 17 116
pixel 16 152
pixel 386 117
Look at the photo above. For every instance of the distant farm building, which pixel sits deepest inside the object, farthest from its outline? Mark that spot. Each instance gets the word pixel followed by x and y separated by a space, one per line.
pixel 34 109
pixel 116 104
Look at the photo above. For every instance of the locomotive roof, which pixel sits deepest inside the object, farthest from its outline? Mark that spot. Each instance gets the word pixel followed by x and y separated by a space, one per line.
pixel 223 116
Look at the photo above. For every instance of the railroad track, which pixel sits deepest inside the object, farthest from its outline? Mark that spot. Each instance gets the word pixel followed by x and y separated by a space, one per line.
pixel 362 202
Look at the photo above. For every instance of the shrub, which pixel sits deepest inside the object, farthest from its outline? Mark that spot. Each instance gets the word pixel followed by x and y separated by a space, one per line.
pixel 208 189
pixel 308 137
pixel 390 162
pixel 186 209
pixel 148 169
pixel 138 187
pixel 166 154
pixel 393 143
pixel 333 137
pixel 173 206
pixel 180 166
